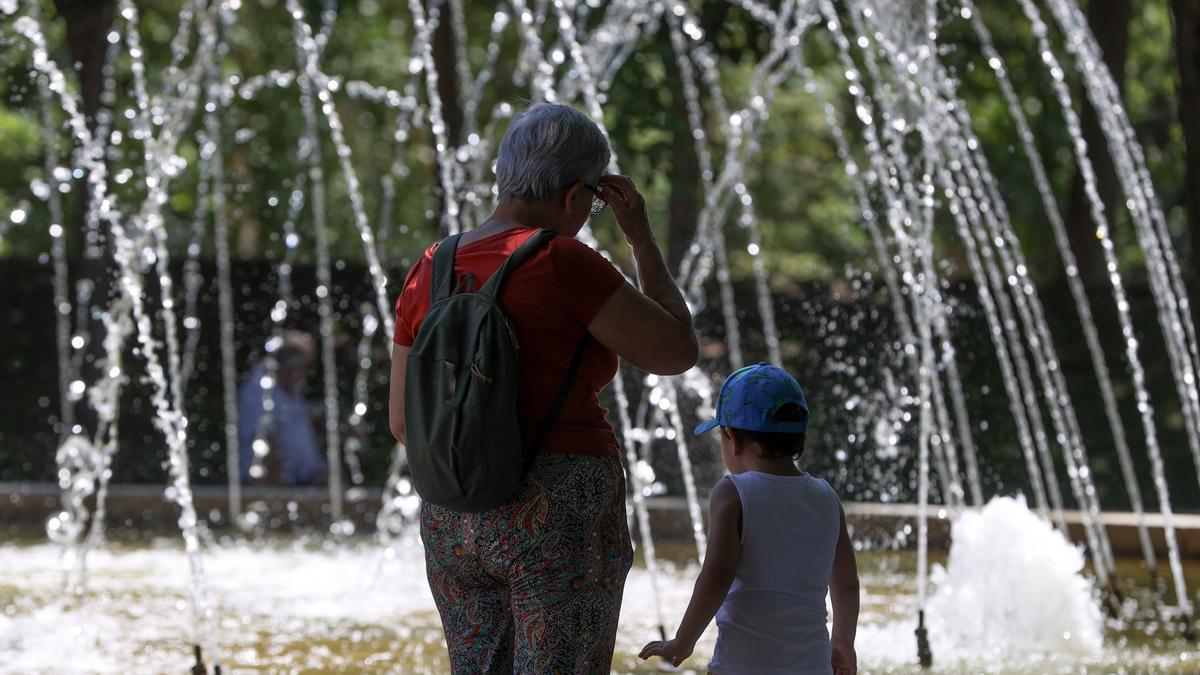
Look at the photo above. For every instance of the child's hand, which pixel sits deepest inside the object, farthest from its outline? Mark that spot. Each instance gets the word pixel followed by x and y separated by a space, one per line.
pixel 673 650
pixel 845 661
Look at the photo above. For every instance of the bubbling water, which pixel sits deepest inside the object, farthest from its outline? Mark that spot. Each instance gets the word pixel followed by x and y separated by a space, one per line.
pixel 1013 584
pixel 1012 596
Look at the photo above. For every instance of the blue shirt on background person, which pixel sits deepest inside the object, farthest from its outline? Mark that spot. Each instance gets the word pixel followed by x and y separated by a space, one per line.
pixel 294 457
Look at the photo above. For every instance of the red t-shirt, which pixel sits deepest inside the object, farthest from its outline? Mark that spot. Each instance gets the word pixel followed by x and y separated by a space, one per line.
pixel 550 300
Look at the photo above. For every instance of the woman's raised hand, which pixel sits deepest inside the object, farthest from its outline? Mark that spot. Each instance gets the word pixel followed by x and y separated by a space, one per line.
pixel 629 208
pixel 651 329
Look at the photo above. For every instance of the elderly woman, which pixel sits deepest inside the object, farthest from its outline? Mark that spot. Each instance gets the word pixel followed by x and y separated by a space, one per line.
pixel 535 584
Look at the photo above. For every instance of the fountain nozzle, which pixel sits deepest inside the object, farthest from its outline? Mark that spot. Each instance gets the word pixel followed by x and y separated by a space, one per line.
pixel 1114 598
pixel 199 668
pixel 923 654
pixel 1189 627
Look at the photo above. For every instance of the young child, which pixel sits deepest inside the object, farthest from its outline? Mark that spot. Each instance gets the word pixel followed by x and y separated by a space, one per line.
pixel 777 542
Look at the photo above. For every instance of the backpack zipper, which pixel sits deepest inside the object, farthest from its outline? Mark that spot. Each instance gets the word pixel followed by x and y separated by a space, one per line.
pixel 512 334
pixel 479 373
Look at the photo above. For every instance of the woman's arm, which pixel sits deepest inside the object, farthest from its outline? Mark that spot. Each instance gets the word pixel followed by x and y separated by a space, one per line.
pixel 396 393
pixel 716 576
pixel 651 329
pixel 843 594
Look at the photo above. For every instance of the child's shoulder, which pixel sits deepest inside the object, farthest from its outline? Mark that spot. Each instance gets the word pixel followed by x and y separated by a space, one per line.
pixel 823 485
pixel 724 500
pixel 725 489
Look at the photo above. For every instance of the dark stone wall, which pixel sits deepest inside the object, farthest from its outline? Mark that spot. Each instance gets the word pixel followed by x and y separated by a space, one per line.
pixel 839 339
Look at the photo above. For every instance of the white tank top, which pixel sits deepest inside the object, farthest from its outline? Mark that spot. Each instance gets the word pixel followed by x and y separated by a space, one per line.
pixel 773 619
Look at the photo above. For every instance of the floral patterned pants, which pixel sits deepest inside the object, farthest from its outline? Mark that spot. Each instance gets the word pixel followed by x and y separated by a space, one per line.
pixel 534 586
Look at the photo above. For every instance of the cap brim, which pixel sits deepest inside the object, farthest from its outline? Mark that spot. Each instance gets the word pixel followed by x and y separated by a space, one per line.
pixel 706 427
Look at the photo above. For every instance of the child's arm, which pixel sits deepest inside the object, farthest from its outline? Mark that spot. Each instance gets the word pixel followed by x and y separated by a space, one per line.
pixel 720 566
pixel 843 592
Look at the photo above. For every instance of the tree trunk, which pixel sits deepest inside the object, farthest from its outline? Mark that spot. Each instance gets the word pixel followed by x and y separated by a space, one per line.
pixel 444 61
pixel 1187 52
pixel 88 24
pixel 1109 21
pixel 444 46
pixel 684 200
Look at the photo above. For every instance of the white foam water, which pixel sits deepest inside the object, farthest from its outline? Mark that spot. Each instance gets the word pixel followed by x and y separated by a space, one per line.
pixel 1012 592
pixel 1013 584
pixel 282 606
pixel 1011 589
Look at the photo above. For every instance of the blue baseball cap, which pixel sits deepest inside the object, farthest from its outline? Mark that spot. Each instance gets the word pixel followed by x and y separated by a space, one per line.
pixel 751 396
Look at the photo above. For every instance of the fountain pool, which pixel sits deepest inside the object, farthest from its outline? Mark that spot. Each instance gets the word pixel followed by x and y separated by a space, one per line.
pixel 314 604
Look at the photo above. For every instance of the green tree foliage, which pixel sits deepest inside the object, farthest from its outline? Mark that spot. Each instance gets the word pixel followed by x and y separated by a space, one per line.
pixel 804 207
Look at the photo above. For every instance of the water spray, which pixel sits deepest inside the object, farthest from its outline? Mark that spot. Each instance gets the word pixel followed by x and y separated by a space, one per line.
pixel 358 433
pixel 1070 265
pixel 310 151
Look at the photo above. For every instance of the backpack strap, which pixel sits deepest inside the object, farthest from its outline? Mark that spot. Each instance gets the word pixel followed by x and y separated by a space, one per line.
pixel 560 398
pixel 442 277
pixel 524 252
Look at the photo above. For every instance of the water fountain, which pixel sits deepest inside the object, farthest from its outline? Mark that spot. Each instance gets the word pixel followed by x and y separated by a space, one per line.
pixel 910 154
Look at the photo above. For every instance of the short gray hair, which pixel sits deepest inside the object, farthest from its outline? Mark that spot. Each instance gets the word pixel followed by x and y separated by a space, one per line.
pixel 546 149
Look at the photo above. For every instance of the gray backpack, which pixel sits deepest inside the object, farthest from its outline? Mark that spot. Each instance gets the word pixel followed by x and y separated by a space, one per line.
pixel 465 449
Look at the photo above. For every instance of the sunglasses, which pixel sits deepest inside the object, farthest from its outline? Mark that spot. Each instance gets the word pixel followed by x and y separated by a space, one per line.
pixel 598 202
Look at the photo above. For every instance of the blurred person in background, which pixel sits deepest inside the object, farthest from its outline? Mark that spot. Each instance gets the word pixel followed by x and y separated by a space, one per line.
pixel 285 432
